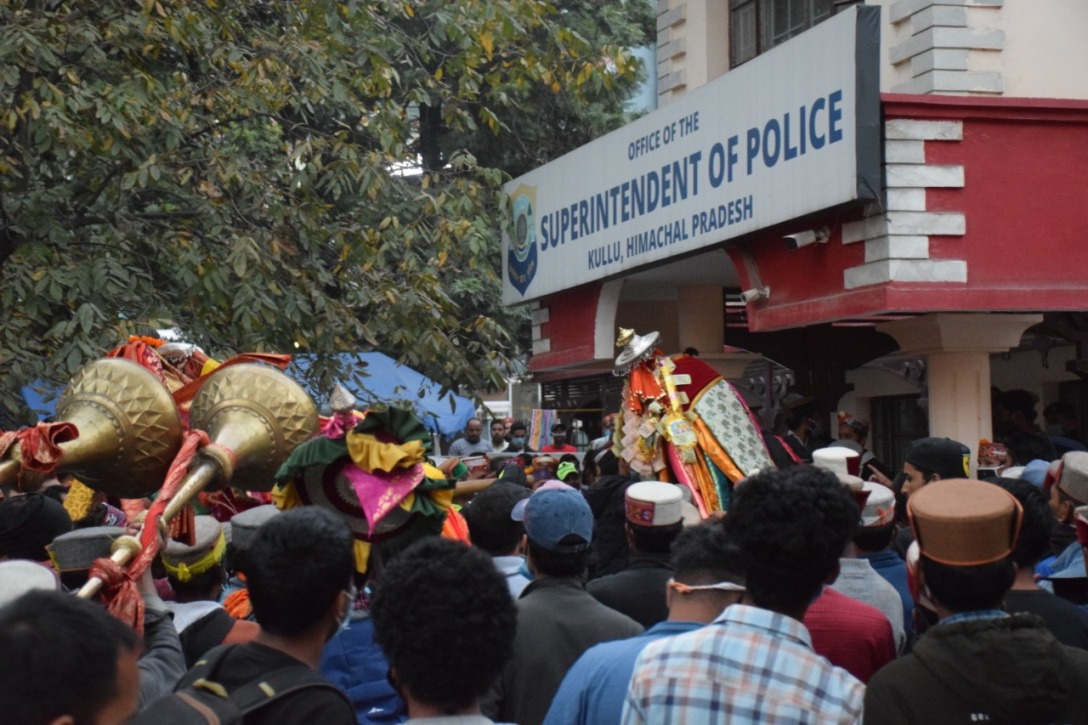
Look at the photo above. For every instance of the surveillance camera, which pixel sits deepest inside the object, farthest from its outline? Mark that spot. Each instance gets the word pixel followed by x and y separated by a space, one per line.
pixel 750 295
pixel 805 238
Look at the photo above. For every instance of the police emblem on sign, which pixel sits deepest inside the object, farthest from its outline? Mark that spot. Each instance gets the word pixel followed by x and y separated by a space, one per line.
pixel 521 259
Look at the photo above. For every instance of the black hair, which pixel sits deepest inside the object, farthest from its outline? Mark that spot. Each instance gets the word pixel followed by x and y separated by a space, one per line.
pixel 570 458
pixel 609 464
pixel 874 538
pixel 969 588
pixel 791 526
pixel 488 516
pixel 445 621
pixel 518 425
pixel 1038 523
pixel 60 658
pixel 299 563
pixel 559 428
pixel 1019 401
pixel 704 555
pixel 654 539
pixel 199 586
pixel 562 564
pixel 1027 447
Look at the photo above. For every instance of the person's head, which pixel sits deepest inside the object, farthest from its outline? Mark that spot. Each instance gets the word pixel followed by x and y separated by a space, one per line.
pixel 474 429
pixel 1023 448
pixel 966 533
pixel 1061 418
pixel 1071 488
pixel 498 431
pixel 707 571
pixel 1038 525
pixel 559 434
pixel 877 519
pixel 1020 405
pixel 853 429
pixel 65 662
pixel 244 526
pixel 559 528
pixel 931 459
pixel 28 524
pixel 299 572
pixel 445 621
pixel 196 572
pixel 507 425
pixel 791 527
pixel 607 463
pixel 654 516
pixel 518 433
pixel 567 471
pixel 488 516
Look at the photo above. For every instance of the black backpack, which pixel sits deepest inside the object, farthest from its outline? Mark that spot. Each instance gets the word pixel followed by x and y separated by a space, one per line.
pixel 200 700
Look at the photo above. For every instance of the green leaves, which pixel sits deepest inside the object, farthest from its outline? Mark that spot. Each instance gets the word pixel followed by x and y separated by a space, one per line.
pixel 250 172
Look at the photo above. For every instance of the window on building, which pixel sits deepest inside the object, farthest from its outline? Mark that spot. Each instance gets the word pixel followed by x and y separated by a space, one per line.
pixel 897 422
pixel 756 26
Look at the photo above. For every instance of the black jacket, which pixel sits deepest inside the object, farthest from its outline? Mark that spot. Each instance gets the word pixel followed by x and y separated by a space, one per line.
pixel 638 591
pixel 606 499
pixel 1008 670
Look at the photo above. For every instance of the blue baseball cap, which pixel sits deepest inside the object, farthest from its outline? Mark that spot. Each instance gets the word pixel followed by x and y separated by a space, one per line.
pixel 552 514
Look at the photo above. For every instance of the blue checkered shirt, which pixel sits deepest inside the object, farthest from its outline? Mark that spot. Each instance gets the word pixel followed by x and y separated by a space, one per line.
pixel 750 666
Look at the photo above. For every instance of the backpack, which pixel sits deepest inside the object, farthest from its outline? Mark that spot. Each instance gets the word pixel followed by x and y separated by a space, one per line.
pixel 199 700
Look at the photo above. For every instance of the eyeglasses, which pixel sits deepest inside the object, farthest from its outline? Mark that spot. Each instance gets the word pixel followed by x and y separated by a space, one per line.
pixel 718 586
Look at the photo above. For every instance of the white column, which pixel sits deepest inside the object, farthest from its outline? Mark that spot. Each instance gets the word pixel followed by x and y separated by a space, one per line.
pixel 957 349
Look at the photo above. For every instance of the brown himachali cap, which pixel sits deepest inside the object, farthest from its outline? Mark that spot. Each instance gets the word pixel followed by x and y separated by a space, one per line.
pixel 964 523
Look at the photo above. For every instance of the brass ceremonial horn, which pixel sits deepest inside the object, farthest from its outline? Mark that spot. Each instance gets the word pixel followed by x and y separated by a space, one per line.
pixel 129 430
pixel 254 416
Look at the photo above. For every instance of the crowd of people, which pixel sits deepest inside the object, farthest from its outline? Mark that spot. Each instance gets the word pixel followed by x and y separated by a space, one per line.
pixel 820 596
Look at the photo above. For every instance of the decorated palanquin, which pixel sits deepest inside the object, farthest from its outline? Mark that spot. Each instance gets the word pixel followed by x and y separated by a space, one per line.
pixel 370 468
pixel 681 421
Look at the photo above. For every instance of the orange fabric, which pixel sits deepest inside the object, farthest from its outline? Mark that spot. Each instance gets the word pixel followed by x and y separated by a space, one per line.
pixel 714 450
pixel 186 393
pixel 643 388
pixel 238 605
pixel 119 593
pixel 455 527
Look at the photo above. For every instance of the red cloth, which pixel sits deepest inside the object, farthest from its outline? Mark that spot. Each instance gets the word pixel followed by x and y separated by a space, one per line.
pixel 701 374
pixel 850 634
pixel 565 448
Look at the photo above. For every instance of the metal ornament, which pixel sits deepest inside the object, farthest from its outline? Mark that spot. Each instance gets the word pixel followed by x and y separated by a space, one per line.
pixel 129 429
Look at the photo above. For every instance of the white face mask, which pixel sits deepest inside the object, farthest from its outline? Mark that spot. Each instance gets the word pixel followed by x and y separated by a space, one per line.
pixel 345 621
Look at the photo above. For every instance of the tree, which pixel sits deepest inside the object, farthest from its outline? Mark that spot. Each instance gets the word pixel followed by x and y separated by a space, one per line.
pixel 247 171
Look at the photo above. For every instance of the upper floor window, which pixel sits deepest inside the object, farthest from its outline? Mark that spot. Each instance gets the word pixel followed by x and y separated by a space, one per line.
pixel 756 26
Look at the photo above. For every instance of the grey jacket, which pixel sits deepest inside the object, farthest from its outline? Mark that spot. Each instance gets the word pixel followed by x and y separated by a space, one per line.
pixel 557 621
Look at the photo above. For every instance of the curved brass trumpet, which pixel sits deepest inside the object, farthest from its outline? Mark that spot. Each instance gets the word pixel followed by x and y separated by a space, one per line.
pixel 255 416
pixel 129 430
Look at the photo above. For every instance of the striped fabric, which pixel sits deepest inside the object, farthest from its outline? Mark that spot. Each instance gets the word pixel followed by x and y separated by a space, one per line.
pixel 750 666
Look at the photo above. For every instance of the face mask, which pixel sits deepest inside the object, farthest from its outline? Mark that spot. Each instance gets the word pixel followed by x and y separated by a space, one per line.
pixel 518 441
pixel 345 621
pixel 559 440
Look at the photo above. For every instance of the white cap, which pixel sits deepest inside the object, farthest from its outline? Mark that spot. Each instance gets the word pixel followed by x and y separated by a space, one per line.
pixel 879 507
pixel 653 503
pixel 833 459
pixel 18 576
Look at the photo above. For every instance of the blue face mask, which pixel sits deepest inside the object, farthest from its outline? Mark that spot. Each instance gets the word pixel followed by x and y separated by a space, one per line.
pixel 518 441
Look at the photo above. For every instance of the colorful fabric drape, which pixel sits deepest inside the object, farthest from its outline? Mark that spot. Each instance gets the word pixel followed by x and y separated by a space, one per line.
pixel 540 428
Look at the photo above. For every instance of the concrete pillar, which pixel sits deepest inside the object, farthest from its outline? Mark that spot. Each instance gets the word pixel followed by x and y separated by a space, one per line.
pixel 957 349
pixel 701 317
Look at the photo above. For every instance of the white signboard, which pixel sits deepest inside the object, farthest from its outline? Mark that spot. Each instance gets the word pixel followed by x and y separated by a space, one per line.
pixel 792 132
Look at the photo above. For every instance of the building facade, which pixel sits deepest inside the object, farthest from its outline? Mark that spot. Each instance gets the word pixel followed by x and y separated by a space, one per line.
pixel 878 207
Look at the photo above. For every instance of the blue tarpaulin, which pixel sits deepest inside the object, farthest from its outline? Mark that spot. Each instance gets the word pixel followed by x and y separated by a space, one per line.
pixel 391 383
pixel 388 383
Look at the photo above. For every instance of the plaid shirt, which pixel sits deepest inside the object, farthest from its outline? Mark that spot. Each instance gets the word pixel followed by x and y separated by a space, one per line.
pixel 750 666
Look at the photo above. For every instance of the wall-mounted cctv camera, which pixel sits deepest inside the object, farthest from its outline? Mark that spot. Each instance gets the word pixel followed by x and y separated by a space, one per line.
pixel 751 295
pixel 805 238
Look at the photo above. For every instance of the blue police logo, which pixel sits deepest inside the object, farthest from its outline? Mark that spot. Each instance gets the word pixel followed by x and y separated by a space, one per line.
pixel 521 262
